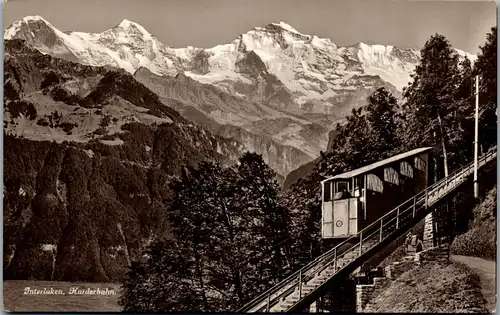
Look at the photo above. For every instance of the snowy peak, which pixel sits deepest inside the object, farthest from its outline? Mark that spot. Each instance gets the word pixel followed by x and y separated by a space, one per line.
pixel 43 36
pixel 128 45
pixel 26 24
pixel 126 33
pixel 34 18
pixel 385 55
pixel 286 27
pixel 134 28
pixel 128 23
pixel 463 54
pixel 281 34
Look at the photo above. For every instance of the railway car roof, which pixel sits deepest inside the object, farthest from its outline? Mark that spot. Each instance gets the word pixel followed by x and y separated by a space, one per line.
pixel 368 168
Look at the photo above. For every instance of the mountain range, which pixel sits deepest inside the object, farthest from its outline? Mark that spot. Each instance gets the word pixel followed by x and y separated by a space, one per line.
pixel 275 90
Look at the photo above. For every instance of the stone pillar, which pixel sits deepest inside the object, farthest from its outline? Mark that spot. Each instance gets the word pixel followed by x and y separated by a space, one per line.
pixel 363 293
pixel 388 271
pixel 428 239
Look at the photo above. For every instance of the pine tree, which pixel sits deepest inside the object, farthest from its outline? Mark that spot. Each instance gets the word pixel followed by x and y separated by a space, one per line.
pixel 192 213
pixel 207 215
pixel 461 120
pixel 228 227
pixel 352 139
pixel 381 116
pixel 259 193
pixel 430 96
pixel 304 203
pixel 486 67
pixel 162 282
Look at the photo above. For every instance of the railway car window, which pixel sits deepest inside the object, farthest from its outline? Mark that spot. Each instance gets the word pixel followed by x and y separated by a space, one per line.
pixel 327 192
pixel 342 186
pixel 342 191
pixel 406 169
pixel 391 176
pixel 419 164
pixel 374 183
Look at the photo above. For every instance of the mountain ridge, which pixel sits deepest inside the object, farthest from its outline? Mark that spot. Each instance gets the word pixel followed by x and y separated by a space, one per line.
pixel 274 75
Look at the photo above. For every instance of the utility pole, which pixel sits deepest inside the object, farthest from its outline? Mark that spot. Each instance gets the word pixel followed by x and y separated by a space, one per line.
pixel 476 184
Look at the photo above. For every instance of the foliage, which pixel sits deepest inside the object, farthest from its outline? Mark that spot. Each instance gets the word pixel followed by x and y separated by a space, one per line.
pixel 61 95
pixel 382 118
pixel 229 226
pixel 10 92
pixel 486 67
pixel 21 107
pixel 480 240
pixel 430 105
pixel 51 78
pixel 161 283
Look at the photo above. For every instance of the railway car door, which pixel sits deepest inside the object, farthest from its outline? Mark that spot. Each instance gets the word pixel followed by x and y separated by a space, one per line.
pixel 345 216
pixel 341 217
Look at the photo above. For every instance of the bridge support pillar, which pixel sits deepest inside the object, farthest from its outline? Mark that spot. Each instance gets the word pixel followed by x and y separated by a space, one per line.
pixel 428 238
pixel 363 294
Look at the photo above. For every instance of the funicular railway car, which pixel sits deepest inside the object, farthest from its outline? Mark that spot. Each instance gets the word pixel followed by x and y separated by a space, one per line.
pixel 353 200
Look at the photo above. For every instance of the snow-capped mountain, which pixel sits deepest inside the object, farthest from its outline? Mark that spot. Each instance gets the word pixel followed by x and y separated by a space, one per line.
pixel 286 53
pixel 291 86
pixel 127 45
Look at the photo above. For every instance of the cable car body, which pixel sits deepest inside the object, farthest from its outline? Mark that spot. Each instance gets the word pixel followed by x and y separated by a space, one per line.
pixel 355 199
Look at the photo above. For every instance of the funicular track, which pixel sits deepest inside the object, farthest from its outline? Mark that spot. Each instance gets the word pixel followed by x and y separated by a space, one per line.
pixel 304 286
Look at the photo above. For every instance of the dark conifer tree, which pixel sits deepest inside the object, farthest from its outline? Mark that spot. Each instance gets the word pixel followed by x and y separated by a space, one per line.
pixel 429 98
pixel 486 67
pixel 228 229
pixel 162 282
pixel 381 115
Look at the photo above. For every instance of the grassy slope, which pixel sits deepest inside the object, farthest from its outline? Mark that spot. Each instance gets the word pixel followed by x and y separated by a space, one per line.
pixel 434 288
pixel 16 301
pixel 480 239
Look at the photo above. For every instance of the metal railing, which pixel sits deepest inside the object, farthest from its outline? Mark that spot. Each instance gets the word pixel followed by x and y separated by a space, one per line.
pixel 364 240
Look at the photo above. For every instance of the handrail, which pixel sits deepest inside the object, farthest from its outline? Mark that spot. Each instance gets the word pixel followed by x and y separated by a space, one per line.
pixel 305 268
pixel 319 264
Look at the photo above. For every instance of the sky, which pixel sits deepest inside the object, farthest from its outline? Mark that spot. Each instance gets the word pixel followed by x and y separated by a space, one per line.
pixel 206 23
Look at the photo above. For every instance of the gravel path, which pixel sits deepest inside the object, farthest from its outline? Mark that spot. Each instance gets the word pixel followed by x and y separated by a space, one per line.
pixel 486 270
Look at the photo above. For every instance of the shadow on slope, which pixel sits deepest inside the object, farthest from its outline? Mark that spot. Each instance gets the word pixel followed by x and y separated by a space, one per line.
pixel 431 288
pixel 480 239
